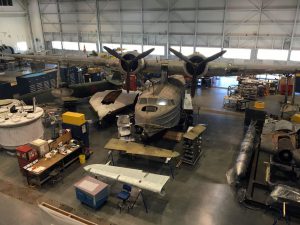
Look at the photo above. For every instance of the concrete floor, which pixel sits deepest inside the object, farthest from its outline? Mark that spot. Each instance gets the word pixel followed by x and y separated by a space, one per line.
pixel 197 195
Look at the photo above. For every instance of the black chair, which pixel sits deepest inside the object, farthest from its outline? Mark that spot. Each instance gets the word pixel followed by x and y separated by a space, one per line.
pixel 124 195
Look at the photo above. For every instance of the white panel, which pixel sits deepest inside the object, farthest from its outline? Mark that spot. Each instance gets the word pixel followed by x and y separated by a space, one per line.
pixel 70 45
pixel 128 47
pixel 22 46
pixel 56 44
pixel 207 51
pixel 272 54
pixel 187 50
pixel 237 53
pixel 88 46
pixel 159 50
pixel 110 45
pixel 295 55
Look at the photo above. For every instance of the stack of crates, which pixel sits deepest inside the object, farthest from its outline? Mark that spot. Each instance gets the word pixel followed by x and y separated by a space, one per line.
pixel 34 82
pixel 77 124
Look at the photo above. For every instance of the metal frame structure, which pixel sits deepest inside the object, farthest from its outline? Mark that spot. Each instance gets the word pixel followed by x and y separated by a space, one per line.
pixel 206 23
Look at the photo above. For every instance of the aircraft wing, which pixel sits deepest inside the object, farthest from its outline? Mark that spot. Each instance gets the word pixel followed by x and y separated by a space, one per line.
pixel 68 60
pixel 138 178
pixel 228 69
pixel 174 66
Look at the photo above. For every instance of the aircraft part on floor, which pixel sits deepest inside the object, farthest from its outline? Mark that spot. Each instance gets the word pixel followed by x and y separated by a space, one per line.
pixel 56 216
pixel 279 138
pixel 111 101
pixel 139 149
pixel 287 194
pixel 138 178
pixel 159 106
pixel 246 152
pixel 20 127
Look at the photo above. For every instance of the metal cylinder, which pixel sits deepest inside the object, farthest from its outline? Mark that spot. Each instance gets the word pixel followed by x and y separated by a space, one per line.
pixel 246 151
pixel 285 150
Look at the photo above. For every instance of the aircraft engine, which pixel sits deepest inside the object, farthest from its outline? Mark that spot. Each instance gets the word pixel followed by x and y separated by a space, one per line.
pixel 136 66
pixel 195 65
pixel 130 62
pixel 197 59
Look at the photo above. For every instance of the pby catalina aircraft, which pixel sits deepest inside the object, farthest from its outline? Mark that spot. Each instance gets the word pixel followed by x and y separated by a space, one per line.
pixel 159 107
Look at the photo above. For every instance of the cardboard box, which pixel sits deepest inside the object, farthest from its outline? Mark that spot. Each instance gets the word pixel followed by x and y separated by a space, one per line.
pixel 41 146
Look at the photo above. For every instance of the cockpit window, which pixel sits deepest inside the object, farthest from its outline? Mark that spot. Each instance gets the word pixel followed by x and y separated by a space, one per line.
pixel 152 101
pixel 162 102
pixel 143 101
pixel 156 101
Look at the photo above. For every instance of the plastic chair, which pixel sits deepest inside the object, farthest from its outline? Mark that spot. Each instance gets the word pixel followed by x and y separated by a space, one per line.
pixel 124 195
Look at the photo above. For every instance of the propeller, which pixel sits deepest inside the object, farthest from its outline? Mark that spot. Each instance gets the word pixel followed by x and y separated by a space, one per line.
pixel 129 62
pixel 198 67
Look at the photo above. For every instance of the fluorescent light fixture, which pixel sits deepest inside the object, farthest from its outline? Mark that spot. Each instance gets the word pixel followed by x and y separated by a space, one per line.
pixel 158 49
pixel 56 44
pixel 177 48
pixel 186 50
pixel 22 46
pixel 237 53
pixel 70 45
pixel 295 55
pixel 88 46
pixel 129 47
pixel 272 54
pixel 111 46
pixel 207 51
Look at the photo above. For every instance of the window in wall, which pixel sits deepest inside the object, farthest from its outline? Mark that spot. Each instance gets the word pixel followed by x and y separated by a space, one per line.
pixel 88 46
pixel 129 47
pixel 110 45
pixel 186 50
pixel 207 51
pixel 22 46
pixel 67 45
pixel 6 3
pixel 237 53
pixel 295 55
pixel 56 44
pixel 158 49
pixel 272 54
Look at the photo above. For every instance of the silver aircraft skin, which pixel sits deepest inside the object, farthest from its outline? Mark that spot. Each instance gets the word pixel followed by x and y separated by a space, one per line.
pixel 160 106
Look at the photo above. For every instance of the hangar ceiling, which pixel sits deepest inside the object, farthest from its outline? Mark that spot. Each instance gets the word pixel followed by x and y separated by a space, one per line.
pixel 248 24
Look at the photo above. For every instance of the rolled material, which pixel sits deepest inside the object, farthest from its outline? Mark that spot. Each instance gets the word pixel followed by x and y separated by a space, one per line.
pixel 246 151
pixel 285 150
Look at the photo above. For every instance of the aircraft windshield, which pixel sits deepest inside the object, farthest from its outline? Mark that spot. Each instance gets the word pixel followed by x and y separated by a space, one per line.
pixel 156 101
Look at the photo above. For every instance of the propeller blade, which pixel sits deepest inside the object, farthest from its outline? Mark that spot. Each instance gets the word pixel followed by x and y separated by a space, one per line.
pixel 114 53
pixel 213 57
pixel 180 56
pixel 144 54
pixel 193 86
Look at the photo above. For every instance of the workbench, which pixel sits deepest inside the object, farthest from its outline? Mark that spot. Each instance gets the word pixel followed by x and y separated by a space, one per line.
pixel 138 149
pixel 39 172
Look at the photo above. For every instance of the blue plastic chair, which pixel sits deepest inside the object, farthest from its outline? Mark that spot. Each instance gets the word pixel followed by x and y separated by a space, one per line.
pixel 124 195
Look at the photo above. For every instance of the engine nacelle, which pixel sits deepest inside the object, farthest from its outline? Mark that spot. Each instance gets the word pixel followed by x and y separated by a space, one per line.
pixel 195 58
pixel 137 66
